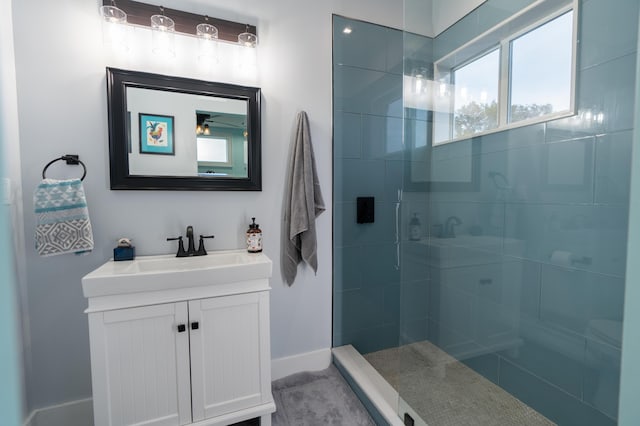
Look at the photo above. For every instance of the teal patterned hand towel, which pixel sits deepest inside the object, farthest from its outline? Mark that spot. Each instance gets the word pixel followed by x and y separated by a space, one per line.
pixel 62 218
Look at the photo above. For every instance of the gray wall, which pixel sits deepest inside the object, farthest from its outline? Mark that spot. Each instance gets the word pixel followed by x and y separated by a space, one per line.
pixel 62 105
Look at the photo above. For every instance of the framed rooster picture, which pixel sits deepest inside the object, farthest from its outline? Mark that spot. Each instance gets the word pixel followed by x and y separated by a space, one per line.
pixel 156 134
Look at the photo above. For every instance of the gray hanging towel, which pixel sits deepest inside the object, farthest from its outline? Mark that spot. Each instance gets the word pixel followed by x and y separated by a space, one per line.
pixel 302 205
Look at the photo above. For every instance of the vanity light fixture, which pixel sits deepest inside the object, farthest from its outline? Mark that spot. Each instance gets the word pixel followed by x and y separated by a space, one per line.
pixel 213 37
pixel 206 130
pixel 207 41
pixel 114 28
pixel 162 34
pixel 186 23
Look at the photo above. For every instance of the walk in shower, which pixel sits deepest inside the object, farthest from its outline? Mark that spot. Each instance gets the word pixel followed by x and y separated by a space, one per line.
pixel 481 194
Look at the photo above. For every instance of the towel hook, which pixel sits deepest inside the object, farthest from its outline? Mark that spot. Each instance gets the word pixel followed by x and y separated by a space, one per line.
pixel 71 159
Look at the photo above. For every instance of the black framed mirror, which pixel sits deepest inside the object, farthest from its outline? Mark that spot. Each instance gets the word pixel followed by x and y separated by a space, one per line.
pixel 173 133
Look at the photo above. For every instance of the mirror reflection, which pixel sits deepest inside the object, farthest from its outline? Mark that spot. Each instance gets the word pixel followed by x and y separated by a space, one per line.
pixel 221 144
pixel 182 134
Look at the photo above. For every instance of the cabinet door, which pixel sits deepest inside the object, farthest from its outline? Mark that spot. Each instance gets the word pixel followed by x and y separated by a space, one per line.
pixel 140 366
pixel 230 358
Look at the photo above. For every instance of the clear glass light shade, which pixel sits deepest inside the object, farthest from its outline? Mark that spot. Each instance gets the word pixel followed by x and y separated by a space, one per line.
pixel 114 28
pixel 163 35
pixel 419 80
pixel 248 39
pixel 113 15
pixel 207 42
pixel 206 32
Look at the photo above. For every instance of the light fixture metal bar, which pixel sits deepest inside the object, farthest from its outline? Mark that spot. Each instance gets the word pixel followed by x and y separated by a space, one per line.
pixel 139 13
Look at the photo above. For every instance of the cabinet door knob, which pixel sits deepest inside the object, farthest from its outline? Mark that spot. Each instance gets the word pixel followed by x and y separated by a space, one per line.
pixel 195 325
pixel 181 328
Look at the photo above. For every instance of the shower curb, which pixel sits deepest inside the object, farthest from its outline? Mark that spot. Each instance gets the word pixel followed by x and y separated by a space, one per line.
pixel 379 394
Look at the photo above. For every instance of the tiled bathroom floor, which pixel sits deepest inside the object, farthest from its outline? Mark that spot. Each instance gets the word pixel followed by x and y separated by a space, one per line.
pixel 445 392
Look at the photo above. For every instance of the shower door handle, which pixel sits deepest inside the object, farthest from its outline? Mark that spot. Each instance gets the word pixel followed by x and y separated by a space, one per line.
pixel 397 223
pixel 397 265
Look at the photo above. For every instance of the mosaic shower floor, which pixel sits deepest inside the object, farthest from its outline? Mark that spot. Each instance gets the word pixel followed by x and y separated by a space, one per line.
pixel 445 392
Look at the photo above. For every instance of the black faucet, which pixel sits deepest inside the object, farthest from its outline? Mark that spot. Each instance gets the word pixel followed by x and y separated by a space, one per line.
pixel 201 251
pixel 181 252
pixel 449 230
pixel 191 249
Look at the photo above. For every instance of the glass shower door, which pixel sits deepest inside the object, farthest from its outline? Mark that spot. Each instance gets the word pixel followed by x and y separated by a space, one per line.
pixel 368 171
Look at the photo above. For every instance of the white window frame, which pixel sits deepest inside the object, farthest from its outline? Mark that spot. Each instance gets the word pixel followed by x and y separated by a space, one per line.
pixel 500 37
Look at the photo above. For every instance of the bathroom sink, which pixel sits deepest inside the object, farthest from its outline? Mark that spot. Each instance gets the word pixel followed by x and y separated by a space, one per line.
pixel 166 272
pixel 172 263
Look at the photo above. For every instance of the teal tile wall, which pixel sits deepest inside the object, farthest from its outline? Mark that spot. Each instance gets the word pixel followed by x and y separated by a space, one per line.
pixel 613 168
pixel 546 398
pixel 599 43
pixel 555 197
pixel 476 22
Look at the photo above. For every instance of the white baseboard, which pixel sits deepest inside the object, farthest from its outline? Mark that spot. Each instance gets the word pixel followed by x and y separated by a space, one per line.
pixel 74 413
pixel 309 361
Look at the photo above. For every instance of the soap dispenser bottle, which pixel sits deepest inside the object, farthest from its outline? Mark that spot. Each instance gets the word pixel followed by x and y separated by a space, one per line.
pixel 415 228
pixel 254 237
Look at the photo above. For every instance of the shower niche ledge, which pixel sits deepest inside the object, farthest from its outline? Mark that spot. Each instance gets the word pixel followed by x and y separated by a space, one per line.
pixel 465 250
pixel 181 340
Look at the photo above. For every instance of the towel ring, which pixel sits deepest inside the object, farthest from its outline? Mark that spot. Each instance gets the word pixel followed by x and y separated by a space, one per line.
pixel 71 159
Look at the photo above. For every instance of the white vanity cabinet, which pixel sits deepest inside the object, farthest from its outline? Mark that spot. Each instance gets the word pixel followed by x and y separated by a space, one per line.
pixel 140 366
pixel 192 355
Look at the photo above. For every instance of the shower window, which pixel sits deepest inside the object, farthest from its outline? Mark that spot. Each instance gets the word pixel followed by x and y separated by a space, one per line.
pixel 518 73
pixel 541 87
pixel 475 103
